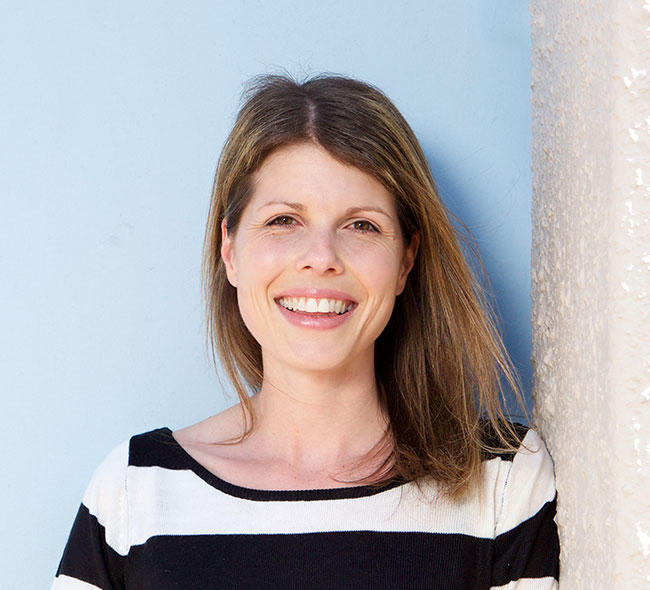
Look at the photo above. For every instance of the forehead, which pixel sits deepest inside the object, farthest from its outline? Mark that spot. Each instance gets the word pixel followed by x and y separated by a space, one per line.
pixel 308 173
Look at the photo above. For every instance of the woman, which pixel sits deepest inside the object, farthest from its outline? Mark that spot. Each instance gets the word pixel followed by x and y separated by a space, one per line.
pixel 369 448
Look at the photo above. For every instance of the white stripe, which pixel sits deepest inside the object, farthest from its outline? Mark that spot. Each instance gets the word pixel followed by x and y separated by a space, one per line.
pixel 68 583
pixel 531 484
pixel 106 498
pixel 549 583
pixel 178 502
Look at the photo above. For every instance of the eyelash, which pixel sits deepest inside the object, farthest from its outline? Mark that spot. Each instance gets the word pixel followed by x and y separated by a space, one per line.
pixel 372 229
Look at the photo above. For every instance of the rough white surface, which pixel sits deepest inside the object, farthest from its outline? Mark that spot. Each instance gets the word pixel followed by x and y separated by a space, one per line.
pixel 591 280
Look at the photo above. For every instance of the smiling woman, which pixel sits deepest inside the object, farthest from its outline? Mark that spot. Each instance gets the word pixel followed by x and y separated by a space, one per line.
pixel 369 448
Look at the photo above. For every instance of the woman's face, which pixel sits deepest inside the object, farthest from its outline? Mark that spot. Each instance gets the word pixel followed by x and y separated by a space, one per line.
pixel 317 260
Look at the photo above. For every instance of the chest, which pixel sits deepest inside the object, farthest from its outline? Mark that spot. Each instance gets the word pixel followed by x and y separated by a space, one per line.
pixel 327 560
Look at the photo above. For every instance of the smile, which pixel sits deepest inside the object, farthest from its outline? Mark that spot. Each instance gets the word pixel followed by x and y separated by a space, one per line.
pixel 313 305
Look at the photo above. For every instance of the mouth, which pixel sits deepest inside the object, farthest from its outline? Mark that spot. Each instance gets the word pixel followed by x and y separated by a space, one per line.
pixel 316 306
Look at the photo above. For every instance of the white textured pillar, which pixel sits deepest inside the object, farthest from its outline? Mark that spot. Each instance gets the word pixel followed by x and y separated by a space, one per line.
pixel 591 280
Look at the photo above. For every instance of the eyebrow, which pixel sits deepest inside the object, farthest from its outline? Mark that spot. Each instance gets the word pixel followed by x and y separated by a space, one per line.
pixel 349 211
pixel 296 206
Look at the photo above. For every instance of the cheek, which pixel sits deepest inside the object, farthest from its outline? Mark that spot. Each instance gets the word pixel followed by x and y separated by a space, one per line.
pixel 258 259
pixel 263 258
pixel 376 265
pixel 258 264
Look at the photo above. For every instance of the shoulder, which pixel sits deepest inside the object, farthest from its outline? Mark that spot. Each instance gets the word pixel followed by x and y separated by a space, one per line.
pixel 103 513
pixel 520 471
pixel 107 479
pixel 141 449
pixel 156 448
pixel 524 447
pixel 525 533
pixel 529 483
pixel 532 466
pixel 107 488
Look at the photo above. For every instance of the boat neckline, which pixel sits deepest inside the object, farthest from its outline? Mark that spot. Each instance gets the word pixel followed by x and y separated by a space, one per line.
pixel 254 494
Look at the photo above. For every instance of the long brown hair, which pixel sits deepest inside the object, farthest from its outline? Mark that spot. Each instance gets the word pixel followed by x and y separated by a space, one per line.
pixel 440 363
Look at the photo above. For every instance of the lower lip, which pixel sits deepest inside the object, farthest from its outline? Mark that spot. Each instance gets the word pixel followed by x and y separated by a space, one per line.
pixel 315 321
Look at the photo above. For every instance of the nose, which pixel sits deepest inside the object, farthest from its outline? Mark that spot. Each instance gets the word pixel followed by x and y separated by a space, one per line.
pixel 320 253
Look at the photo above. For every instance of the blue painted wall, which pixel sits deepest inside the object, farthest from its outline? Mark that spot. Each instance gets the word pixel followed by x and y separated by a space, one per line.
pixel 112 116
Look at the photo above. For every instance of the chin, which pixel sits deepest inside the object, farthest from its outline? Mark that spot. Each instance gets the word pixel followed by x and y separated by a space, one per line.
pixel 313 360
pixel 317 358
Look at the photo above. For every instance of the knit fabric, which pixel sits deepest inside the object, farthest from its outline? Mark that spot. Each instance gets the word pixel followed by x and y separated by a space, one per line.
pixel 154 518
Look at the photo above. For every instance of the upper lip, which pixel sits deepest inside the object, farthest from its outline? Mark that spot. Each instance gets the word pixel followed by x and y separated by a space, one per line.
pixel 313 293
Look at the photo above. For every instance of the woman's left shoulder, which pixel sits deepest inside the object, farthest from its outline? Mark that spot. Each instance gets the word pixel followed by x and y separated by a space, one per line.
pixel 526 539
pixel 532 452
pixel 531 461
pixel 524 445
pixel 529 486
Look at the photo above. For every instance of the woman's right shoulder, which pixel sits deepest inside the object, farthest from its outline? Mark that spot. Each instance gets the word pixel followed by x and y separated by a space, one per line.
pixel 144 449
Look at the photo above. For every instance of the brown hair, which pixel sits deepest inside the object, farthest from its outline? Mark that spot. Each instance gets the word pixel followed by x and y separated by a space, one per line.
pixel 440 362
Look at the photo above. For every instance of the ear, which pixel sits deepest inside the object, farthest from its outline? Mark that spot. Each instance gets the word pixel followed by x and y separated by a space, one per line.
pixel 227 254
pixel 407 262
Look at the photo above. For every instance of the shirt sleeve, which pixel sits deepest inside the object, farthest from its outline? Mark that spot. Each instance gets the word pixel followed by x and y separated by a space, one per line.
pixel 526 547
pixel 95 554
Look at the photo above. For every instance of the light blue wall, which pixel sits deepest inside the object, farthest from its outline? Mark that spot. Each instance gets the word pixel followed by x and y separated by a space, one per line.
pixel 112 115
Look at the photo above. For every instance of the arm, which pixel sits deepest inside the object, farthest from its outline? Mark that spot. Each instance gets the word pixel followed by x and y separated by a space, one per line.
pixel 95 554
pixel 526 548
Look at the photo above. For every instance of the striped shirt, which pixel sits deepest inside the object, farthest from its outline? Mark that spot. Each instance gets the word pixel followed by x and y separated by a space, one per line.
pixel 153 517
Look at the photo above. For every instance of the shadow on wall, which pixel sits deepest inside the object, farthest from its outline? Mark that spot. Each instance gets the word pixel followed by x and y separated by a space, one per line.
pixel 511 304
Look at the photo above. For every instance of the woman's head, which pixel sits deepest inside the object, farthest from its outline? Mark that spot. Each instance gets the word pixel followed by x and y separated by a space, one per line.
pixel 356 124
pixel 439 360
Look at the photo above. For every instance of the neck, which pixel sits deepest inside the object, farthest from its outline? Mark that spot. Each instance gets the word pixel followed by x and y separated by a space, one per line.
pixel 318 422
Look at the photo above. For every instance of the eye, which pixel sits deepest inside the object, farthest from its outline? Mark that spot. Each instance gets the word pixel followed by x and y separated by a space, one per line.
pixel 282 220
pixel 363 226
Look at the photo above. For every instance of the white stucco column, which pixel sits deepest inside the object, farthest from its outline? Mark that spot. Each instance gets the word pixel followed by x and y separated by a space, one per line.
pixel 591 280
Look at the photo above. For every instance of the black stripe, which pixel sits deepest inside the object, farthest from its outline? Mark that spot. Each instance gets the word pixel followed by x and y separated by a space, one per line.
pixel 335 560
pixel 530 550
pixel 157 448
pixel 88 557
pixel 323 561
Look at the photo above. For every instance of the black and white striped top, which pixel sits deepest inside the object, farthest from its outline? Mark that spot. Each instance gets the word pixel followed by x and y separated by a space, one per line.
pixel 152 517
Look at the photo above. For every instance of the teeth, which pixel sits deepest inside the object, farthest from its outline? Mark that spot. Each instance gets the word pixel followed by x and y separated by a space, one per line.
pixel 311 305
